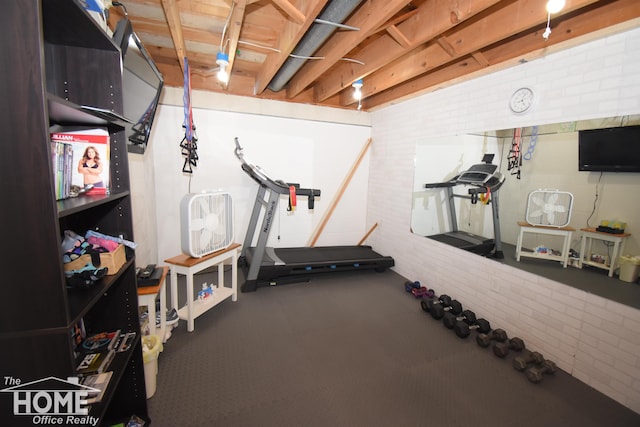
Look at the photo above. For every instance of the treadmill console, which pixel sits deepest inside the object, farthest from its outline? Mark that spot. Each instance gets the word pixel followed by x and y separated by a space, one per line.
pixel 477 174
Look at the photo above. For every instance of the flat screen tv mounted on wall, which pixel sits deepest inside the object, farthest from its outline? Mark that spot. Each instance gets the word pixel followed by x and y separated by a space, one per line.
pixel 142 84
pixel 609 150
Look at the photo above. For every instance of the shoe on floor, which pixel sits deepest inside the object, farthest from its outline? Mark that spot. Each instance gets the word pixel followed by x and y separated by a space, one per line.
pixel 171 317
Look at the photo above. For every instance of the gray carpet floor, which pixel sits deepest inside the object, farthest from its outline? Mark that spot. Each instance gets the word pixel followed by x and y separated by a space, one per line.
pixel 352 349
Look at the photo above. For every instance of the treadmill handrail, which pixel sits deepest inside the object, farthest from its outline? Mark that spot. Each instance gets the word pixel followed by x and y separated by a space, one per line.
pixel 261 177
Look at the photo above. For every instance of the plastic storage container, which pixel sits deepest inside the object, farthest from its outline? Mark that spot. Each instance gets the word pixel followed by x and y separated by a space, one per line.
pixel 629 268
pixel 151 348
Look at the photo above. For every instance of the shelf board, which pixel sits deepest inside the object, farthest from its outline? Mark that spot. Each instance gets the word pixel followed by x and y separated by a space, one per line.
pixel 199 307
pixel 82 300
pixel 78 204
pixel 64 112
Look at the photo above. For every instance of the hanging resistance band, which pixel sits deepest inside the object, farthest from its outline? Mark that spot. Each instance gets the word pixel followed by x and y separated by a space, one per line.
pixel 189 143
pixel 514 159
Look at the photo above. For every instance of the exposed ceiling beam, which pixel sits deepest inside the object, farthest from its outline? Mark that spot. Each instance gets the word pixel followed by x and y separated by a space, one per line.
pixel 289 39
pixel 431 19
pixel 175 27
pixel 293 13
pixel 235 25
pixel 567 30
pixel 478 33
pixel 371 15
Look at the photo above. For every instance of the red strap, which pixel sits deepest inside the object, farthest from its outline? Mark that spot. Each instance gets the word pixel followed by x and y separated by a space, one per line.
pixel 292 197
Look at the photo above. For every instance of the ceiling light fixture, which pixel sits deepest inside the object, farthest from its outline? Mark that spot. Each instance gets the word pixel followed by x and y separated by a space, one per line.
pixel 553 6
pixel 222 59
pixel 357 91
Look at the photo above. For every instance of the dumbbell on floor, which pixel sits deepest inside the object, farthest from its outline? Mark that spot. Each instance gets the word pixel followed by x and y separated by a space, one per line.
pixel 449 319
pixel 428 304
pixel 484 339
pixel 501 349
pixel 535 373
pixel 409 285
pixel 520 363
pixel 423 292
pixel 441 306
pixel 463 328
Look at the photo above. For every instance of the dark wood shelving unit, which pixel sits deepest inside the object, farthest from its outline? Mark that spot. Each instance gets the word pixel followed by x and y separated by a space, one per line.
pixel 60 68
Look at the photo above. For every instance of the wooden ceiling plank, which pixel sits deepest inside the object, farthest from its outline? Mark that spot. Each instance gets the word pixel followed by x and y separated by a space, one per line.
pixel 481 59
pixel 235 25
pixel 398 36
pixel 508 21
pixel 172 13
pixel 431 19
pixel 289 38
pixel 371 15
pixel 446 46
pixel 291 11
pixel 566 33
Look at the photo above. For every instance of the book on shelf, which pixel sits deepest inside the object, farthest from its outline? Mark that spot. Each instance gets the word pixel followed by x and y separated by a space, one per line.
pixel 94 362
pixel 85 164
pixel 62 159
pixel 101 341
pixel 97 381
pixel 124 342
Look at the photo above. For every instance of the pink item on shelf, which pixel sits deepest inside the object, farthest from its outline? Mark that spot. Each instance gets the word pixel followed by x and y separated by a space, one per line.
pixel 109 245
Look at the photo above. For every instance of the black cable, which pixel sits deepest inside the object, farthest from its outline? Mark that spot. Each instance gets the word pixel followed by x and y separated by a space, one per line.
pixel 595 200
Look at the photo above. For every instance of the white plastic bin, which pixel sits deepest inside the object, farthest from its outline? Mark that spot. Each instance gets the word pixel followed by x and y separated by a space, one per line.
pixel 151 348
pixel 629 268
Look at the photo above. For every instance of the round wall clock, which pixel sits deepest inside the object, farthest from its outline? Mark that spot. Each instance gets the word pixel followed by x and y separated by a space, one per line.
pixel 521 100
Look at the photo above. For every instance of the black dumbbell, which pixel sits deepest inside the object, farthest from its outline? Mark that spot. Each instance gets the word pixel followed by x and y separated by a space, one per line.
pixel 429 303
pixel 441 306
pixel 535 373
pixel 449 319
pixel 520 363
pixel 484 339
pixel 463 328
pixel 501 349
pixel 425 303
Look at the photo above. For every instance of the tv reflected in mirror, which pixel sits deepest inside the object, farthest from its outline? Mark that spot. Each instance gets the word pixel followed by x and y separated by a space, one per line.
pixel 142 85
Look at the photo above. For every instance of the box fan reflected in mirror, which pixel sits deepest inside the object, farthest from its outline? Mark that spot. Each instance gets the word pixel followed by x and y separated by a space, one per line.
pixel 206 222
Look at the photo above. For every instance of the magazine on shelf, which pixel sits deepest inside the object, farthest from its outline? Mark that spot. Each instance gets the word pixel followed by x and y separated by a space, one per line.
pixel 88 168
pixel 101 341
pixel 98 381
pixel 94 362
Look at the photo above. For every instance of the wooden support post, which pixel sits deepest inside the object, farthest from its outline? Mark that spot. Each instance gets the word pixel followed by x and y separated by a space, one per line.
pixel 367 235
pixel 339 194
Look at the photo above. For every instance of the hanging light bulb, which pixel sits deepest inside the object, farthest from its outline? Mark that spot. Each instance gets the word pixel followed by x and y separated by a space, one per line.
pixel 222 59
pixel 555 6
pixel 357 89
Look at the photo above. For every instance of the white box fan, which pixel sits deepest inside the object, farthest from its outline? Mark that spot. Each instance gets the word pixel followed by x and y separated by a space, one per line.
pixel 206 221
pixel 550 208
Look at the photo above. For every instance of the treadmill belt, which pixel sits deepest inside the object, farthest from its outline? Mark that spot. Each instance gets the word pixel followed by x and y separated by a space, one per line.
pixel 325 254
pixel 296 262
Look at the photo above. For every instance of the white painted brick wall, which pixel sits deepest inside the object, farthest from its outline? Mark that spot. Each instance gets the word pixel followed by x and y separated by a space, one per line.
pixel 596 340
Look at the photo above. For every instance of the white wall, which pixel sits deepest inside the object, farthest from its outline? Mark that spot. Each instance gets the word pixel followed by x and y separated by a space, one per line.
pixel 594 339
pixel 314 153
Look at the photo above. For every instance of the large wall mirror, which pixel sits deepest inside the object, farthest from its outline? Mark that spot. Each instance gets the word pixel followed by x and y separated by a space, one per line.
pixel 549 156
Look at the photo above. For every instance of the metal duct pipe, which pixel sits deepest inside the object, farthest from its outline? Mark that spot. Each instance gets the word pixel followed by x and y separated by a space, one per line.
pixel 336 11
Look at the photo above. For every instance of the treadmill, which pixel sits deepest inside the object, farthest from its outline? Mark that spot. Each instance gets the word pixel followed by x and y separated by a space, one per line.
pixel 267 266
pixel 483 178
